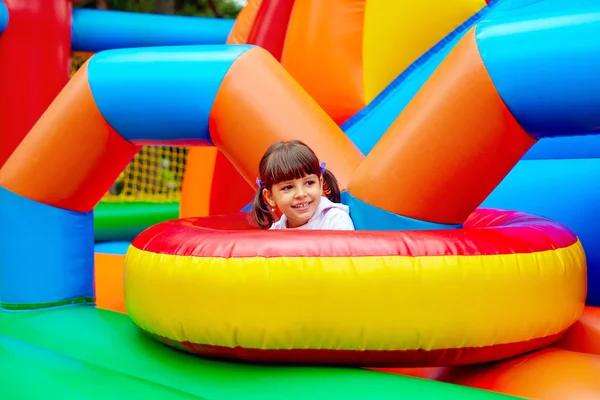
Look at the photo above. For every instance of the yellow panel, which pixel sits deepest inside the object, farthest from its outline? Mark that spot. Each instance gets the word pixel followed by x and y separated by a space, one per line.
pixel 356 303
pixel 398 32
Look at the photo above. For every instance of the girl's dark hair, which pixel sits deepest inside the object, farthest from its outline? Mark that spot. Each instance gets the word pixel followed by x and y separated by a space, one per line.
pixel 284 161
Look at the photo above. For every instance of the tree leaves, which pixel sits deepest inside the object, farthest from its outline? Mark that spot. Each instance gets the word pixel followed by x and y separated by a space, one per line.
pixel 199 8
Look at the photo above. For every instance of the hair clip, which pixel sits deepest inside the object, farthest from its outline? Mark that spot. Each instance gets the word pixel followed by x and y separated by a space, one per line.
pixel 259 183
pixel 322 168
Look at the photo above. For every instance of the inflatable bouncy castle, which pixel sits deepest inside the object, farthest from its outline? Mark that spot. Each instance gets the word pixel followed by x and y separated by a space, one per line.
pixel 422 111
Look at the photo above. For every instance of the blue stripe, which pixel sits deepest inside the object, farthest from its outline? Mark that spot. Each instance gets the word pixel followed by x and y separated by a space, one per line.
pixel 112 247
pixel 97 30
pixel 367 126
pixel 3 16
pixel 565 147
pixel 368 217
pixel 46 253
pixel 161 95
pixel 544 58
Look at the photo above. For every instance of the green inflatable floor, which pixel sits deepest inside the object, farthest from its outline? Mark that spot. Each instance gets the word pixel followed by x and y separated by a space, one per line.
pixel 87 353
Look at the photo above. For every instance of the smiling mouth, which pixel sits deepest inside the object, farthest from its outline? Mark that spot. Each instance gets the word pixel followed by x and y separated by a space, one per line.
pixel 302 206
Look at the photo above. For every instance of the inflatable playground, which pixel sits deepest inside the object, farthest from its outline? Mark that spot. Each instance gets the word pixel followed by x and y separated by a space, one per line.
pixel 463 134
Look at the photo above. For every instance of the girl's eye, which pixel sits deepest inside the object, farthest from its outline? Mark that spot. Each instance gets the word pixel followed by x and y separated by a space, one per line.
pixel 310 182
pixel 288 187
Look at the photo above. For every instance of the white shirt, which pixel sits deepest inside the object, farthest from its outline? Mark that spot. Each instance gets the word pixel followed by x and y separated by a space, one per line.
pixel 329 216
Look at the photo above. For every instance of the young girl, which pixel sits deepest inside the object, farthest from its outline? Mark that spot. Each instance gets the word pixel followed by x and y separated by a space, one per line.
pixel 293 184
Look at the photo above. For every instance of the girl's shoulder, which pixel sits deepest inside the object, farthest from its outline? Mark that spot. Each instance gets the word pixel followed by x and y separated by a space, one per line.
pixel 279 224
pixel 336 216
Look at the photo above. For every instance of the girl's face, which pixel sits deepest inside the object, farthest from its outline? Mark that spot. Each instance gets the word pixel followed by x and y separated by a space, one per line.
pixel 298 199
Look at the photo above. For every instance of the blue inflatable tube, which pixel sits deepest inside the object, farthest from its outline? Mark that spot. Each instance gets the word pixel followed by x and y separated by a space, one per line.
pixel 543 59
pixel 184 83
pixel 39 268
pixel 97 30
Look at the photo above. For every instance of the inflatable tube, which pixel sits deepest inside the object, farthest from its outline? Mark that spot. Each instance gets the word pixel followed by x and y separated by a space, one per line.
pixel 217 287
pixel 99 30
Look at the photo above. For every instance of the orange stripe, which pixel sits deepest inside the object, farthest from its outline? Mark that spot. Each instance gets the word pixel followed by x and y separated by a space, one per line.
pixel 110 294
pixel 244 23
pixel 259 103
pixel 584 336
pixel 323 52
pixel 450 147
pixel 71 156
pixel 549 374
pixel 197 180
pixel 211 185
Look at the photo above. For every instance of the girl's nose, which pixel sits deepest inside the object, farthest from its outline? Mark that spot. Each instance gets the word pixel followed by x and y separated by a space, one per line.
pixel 300 192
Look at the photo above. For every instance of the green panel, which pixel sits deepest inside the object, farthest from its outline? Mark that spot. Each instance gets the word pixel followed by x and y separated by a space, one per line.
pixel 66 350
pixel 124 221
pixel 31 372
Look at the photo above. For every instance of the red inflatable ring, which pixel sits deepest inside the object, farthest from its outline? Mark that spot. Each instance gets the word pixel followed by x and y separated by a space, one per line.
pixel 216 286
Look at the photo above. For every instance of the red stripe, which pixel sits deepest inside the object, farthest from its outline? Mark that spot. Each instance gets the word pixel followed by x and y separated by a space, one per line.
pixel 27 87
pixel 270 26
pixel 486 232
pixel 371 358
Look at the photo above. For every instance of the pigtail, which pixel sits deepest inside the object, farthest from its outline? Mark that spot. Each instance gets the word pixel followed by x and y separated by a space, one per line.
pixel 260 210
pixel 331 187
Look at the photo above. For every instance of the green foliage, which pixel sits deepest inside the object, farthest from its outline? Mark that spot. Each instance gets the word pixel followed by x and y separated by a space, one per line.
pixel 131 5
pixel 226 8
pixel 198 8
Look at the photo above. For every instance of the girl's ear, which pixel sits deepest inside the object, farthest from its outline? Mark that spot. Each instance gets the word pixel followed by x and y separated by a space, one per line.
pixel 322 182
pixel 268 196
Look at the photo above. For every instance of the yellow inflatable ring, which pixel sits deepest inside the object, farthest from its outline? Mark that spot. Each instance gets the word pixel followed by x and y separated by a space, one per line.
pixel 507 283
